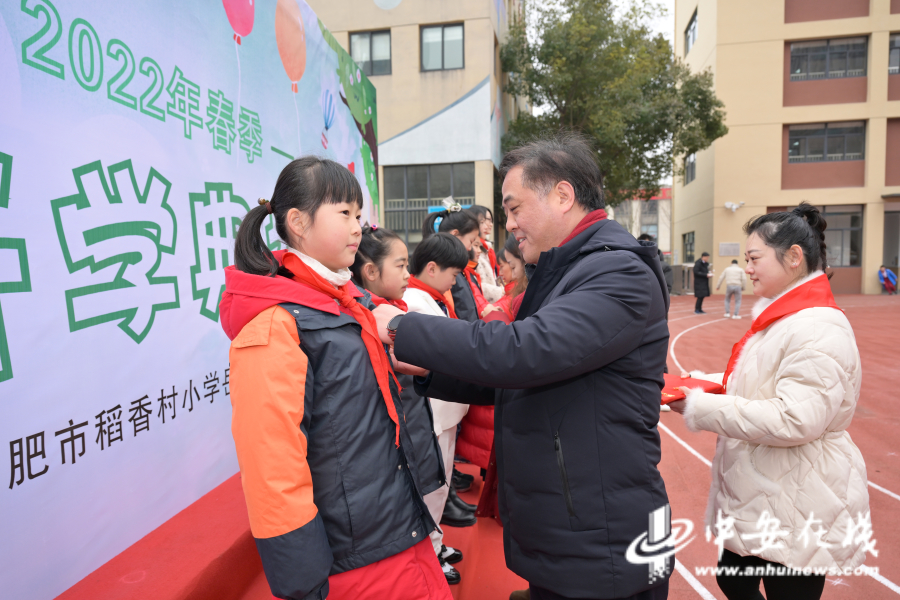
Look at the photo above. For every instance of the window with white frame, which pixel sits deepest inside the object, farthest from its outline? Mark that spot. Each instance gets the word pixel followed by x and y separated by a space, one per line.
pixel 894 61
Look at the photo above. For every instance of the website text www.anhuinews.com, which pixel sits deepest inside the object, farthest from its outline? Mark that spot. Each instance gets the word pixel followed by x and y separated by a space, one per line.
pixel 770 570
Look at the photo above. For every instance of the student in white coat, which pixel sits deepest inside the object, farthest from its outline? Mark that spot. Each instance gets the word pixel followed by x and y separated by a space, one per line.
pixel 434 266
pixel 788 483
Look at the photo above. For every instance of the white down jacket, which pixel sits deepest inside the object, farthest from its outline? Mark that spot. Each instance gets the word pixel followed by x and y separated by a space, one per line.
pixel 783 446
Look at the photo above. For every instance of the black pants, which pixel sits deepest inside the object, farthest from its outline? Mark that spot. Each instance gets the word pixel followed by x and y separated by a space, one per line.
pixel 698 305
pixel 778 587
pixel 660 592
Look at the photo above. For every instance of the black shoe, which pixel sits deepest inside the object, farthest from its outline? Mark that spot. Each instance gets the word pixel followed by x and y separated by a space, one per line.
pixel 450 555
pixel 450 573
pixel 456 516
pixel 461 484
pixel 457 474
pixel 455 499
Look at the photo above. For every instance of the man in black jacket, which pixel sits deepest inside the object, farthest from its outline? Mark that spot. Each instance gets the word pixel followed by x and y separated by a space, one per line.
pixel 576 382
pixel 701 282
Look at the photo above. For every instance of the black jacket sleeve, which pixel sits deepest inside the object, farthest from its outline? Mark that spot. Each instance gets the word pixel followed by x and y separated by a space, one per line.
pixel 449 388
pixel 598 318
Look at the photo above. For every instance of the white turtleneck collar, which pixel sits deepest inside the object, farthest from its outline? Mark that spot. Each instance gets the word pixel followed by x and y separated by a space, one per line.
pixel 335 278
pixel 764 303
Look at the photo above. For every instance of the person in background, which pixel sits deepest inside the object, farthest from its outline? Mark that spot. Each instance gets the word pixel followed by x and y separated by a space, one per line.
pixel 735 280
pixel 888 280
pixel 487 263
pixel 318 429
pixel 784 460
pixel 468 300
pixel 512 273
pixel 435 264
pixel 701 282
pixel 667 269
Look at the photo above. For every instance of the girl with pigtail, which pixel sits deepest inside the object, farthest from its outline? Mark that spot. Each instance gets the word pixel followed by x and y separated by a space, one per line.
pixel 488 264
pixel 327 463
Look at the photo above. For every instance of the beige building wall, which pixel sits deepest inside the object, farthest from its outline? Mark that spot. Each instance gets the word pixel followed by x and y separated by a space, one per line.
pixel 409 96
pixel 744 44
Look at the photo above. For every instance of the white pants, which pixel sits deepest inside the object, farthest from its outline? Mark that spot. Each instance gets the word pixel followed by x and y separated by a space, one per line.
pixel 735 291
pixel 436 500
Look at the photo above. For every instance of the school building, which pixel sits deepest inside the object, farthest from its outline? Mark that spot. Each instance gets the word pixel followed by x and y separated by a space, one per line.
pixel 441 106
pixel 812 94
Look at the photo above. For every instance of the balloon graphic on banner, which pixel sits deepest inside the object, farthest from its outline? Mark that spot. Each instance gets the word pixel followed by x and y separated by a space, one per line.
pixel 327 114
pixel 290 36
pixel 240 17
pixel 291 39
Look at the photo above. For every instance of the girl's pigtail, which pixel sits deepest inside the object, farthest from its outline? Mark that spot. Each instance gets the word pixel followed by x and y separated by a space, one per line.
pixel 251 254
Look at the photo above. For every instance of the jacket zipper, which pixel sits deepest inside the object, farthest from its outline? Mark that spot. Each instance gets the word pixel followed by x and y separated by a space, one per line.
pixel 565 478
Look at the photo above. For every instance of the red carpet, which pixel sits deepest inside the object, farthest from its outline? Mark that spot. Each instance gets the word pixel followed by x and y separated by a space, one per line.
pixel 206 552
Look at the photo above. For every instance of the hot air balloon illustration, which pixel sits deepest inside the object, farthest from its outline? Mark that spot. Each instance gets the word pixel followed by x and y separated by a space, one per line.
pixel 290 36
pixel 327 102
pixel 240 16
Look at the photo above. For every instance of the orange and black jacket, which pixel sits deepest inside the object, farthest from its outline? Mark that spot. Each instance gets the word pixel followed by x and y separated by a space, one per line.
pixel 327 489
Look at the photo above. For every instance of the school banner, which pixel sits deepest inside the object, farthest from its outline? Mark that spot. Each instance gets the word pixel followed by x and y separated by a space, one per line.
pixel 134 136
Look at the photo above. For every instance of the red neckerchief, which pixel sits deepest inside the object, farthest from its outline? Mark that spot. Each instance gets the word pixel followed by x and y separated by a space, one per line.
pixel 815 293
pixel 589 219
pixel 492 256
pixel 470 271
pixel 378 301
pixel 508 288
pixel 417 284
pixel 378 357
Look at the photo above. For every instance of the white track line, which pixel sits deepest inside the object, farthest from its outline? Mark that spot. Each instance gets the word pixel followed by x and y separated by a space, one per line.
pixel 883 581
pixel 886 491
pixel 689 577
pixel 678 337
pixel 685 444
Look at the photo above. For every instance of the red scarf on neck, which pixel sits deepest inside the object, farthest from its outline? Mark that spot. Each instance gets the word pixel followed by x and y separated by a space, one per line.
pixel 815 293
pixel 492 256
pixel 589 219
pixel 380 363
pixel 417 284
pixel 378 301
pixel 470 271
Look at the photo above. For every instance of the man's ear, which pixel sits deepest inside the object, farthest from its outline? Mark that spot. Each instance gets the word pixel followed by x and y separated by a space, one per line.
pixel 370 271
pixel 566 195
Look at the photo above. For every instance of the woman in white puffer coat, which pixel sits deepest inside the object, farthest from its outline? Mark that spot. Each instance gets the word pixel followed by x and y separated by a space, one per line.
pixel 784 462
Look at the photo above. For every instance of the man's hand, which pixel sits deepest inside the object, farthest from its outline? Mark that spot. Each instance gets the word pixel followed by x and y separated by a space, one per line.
pixel 406 368
pixel 489 309
pixel 383 314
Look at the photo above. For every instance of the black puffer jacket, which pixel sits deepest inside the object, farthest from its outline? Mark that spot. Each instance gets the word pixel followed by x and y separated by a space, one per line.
pixel 576 381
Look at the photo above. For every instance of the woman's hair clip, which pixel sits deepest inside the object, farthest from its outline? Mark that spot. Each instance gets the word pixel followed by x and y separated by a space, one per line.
pixel 266 203
pixel 373 227
pixel 437 223
pixel 451 205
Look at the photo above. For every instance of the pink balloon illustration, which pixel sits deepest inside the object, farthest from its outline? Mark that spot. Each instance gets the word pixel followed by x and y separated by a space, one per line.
pixel 290 37
pixel 240 17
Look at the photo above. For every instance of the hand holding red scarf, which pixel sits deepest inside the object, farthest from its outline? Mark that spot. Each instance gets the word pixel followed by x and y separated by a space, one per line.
pixel 380 362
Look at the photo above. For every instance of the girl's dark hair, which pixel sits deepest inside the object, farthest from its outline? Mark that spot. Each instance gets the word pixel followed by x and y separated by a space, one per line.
pixel 512 246
pixel 374 247
pixel 480 212
pixel 461 220
pixel 803 226
pixel 442 248
pixel 305 184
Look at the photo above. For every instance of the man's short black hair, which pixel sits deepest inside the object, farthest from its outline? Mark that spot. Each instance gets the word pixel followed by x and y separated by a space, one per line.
pixel 645 237
pixel 442 248
pixel 734 262
pixel 704 254
pixel 565 156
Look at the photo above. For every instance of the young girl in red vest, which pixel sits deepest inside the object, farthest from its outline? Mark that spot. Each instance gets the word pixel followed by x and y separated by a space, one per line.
pixel 331 492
